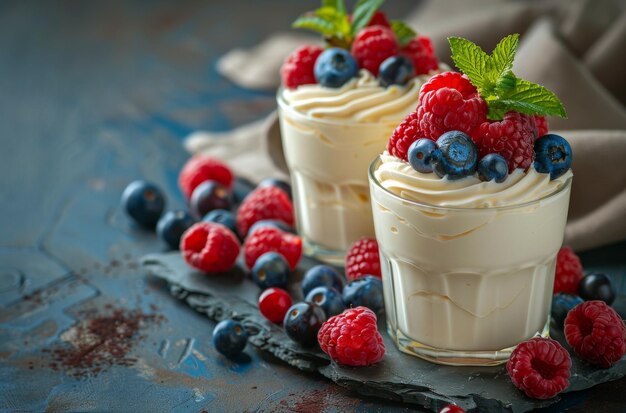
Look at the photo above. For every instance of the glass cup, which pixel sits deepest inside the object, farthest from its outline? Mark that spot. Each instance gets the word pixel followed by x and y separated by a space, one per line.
pixel 464 286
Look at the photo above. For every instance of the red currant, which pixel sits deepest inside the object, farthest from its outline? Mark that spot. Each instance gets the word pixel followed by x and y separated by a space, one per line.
pixel 274 303
pixel 452 408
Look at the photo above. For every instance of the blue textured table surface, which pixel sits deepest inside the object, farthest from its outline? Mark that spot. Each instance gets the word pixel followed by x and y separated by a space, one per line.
pixel 95 95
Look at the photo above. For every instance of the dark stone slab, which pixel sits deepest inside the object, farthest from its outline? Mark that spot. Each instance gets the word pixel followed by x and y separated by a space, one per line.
pixel 398 377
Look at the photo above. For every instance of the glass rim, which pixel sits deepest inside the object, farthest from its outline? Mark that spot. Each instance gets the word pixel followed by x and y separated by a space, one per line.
pixel 372 178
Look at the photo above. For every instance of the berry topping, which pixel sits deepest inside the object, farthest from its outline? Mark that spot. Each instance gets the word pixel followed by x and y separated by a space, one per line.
pixel 264 203
pixel 403 137
pixel 208 196
pixel 334 67
pixel 321 276
pixel 274 303
pixel 456 157
pixel 352 338
pixel 202 168
pixel 493 167
pixel 421 154
pixel 298 67
pixel 541 122
pixel 568 273
pixel 553 155
pixel 395 70
pixel 224 217
pixel 278 183
pixel 229 338
pixel 268 239
pixel 172 225
pixel 540 367
pixel 143 202
pixel 597 287
pixel 421 53
pixel 328 299
pixel 270 270
pixel 561 305
pixel 372 45
pixel 365 291
pixel 596 333
pixel 452 408
pixel 363 259
pixel 241 188
pixel 210 247
pixel 302 322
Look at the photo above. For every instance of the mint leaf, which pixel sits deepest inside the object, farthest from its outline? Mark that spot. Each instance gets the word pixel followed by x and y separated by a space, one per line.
pixel 363 12
pixel 315 23
pixel 502 57
pixel 339 21
pixel 472 61
pixel 403 32
pixel 531 99
pixel 338 5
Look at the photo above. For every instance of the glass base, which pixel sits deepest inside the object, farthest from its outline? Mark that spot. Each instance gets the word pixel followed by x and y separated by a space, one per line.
pixel 328 256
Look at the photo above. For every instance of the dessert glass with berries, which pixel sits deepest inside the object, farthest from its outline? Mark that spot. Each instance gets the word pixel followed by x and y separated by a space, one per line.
pixel 337 106
pixel 470 201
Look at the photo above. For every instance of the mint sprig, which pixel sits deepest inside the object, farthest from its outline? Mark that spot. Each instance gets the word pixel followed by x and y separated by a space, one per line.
pixel 492 75
pixel 363 12
pixel 403 33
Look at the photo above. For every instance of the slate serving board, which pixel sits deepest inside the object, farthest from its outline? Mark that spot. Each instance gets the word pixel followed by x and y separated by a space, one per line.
pixel 398 377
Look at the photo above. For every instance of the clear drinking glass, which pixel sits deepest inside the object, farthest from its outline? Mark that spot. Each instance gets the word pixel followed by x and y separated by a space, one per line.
pixel 463 286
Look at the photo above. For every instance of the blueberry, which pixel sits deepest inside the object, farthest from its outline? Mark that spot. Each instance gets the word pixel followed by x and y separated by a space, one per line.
pixel 241 188
pixel 395 70
pixel 493 166
pixel 456 157
pixel 303 321
pixel 561 304
pixel 278 183
pixel 207 196
pixel 144 203
pixel 328 299
pixel 334 67
pixel 224 217
pixel 553 155
pixel 275 223
pixel 271 270
pixel 172 225
pixel 597 286
pixel 321 276
pixel 229 338
pixel 420 155
pixel 366 291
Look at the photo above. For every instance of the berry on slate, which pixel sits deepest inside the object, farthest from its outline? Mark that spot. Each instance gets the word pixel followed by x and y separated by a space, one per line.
pixel 553 155
pixel 372 45
pixel 568 273
pixel 172 225
pixel 365 291
pixel 298 67
pixel 422 152
pixel 202 168
pixel 241 188
pixel 278 183
pixel 328 299
pixel 395 70
pixel 596 333
pixel 561 305
pixel 334 67
pixel 421 53
pixel 274 223
pixel 493 167
pixel 271 270
pixel 452 408
pixel 362 259
pixel 302 322
pixel 268 239
pixel 540 367
pixel 143 202
pixel 597 286
pixel 321 276
pixel 274 303
pixel 264 203
pixel 210 247
pixel 352 338
pixel 224 217
pixel 208 196
pixel 403 137
pixel 457 156
pixel 229 338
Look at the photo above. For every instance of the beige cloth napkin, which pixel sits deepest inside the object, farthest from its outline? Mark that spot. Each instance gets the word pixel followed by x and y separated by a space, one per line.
pixel 576 48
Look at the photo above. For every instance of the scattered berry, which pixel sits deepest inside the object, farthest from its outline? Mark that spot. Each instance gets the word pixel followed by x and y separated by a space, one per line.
pixel 568 273
pixel 172 225
pixel 596 333
pixel 422 54
pixel 271 239
pixel 303 321
pixel 278 183
pixel 541 123
pixel 334 67
pixel 493 167
pixel 328 299
pixel 264 203
pixel 422 152
pixel 274 223
pixel 395 70
pixel 372 45
pixel 365 291
pixel 270 270
pixel 202 168
pixel 298 67
pixel 210 247
pixel 452 408
pixel 224 217
pixel 241 188
pixel 597 286
pixel 321 276
pixel 553 155
pixel 403 137
pixel 457 156
pixel 229 338
pixel 352 338
pixel 362 259
pixel 540 367
pixel 208 196
pixel 561 305
pixel 274 303
pixel 143 202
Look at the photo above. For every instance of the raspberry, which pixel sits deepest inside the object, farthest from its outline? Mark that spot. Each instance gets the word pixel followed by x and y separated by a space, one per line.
pixel 268 202
pixel 372 45
pixel 569 272
pixel 403 136
pixel 378 19
pixel 352 338
pixel 363 259
pixel 448 101
pixel 596 333
pixel 540 367
pixel 210 247
pixel 541 122
pixel 298 66
pixel 420 51
pixel 513 137
pixel 266 239
pixel 202 168
pixel 452 408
